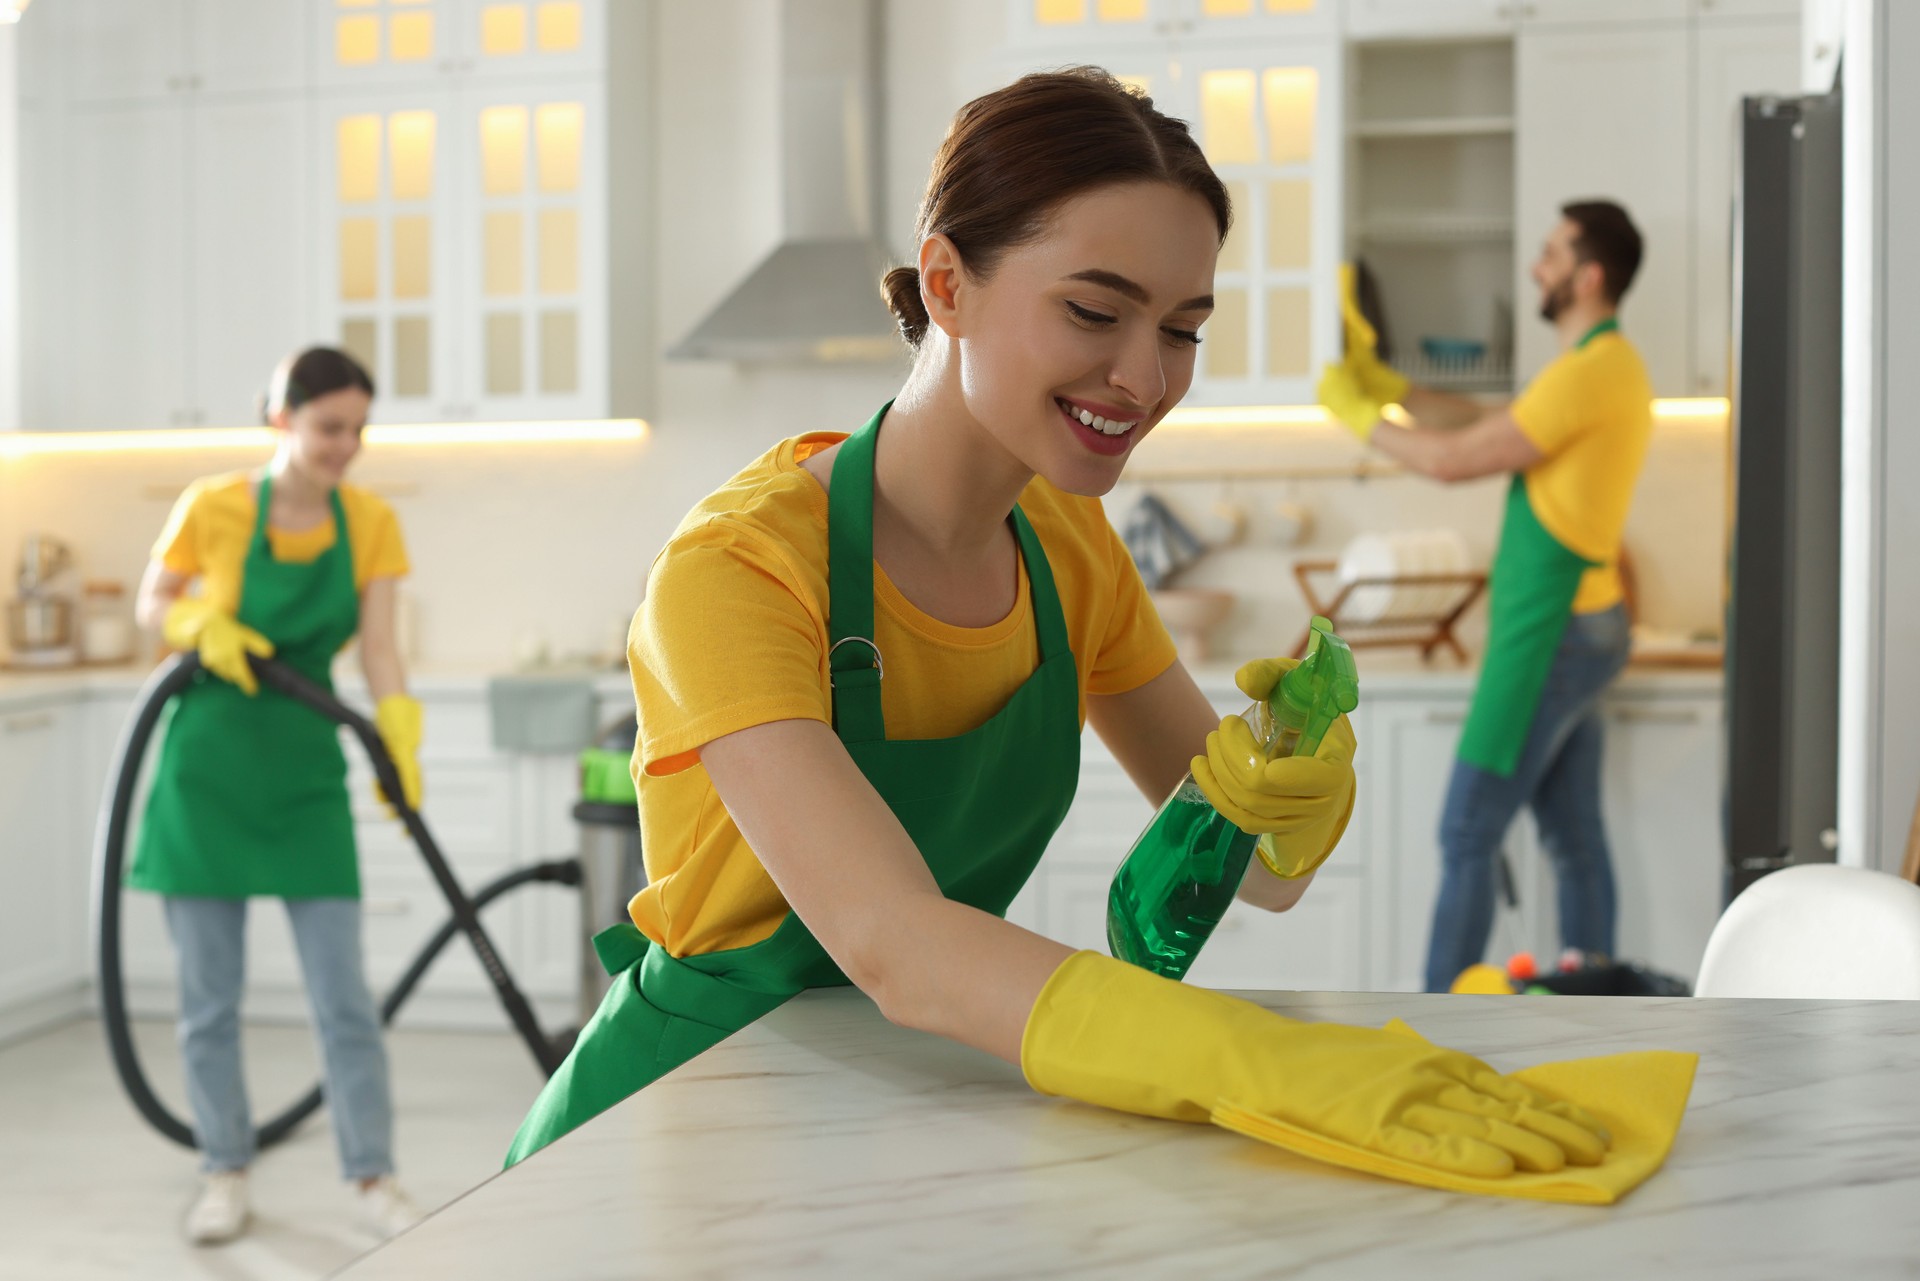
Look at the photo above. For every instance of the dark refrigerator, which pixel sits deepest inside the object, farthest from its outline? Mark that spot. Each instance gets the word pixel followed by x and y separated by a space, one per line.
pixel 1783 582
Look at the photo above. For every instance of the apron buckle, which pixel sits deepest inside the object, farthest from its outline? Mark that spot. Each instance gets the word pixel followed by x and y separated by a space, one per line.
pixel 879 668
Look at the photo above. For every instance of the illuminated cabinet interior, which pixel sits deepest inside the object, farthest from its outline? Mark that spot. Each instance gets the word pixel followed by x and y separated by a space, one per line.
pixel 468 199
pixel 1260 83
pixel 1081 22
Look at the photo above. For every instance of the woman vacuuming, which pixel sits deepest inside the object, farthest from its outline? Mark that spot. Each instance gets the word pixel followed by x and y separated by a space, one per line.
pixel 249 793
pixel 863 664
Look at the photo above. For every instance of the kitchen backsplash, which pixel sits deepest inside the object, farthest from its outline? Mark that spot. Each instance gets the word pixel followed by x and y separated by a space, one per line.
pixel 518 548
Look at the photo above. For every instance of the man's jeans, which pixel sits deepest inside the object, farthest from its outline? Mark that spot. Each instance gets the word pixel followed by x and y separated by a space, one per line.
pixel 210 938
pixel 1559 777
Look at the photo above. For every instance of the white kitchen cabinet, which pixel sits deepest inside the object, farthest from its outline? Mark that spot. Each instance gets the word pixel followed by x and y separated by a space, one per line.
pixel 126 350
pixel 124 50
pixel 1084 23
pixel 1549 13
pixel 1317 945
pixel 1712 9
pixel 128 50
pixel 1732 60
pixel 1426 19
pixel 374 43
pixel 1411 752
pixel 251 223
pixel 42 948
pixel 1603 113
pixel 185 247
pixel 1663 790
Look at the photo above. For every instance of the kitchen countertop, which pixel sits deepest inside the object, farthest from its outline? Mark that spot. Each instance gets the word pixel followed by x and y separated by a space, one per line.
pixel 1394 676
pixel 825 1142
pixel 24 688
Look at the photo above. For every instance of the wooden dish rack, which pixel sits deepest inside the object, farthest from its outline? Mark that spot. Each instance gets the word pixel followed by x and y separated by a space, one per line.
pixel 1424 629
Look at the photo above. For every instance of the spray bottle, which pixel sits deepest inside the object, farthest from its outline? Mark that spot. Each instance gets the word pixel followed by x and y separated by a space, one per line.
pixel 1184 869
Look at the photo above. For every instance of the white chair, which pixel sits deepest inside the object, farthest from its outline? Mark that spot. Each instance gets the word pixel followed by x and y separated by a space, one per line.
pixel 1818 930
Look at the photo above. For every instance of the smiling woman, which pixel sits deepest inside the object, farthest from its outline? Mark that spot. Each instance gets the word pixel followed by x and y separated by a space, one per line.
pixel 862 666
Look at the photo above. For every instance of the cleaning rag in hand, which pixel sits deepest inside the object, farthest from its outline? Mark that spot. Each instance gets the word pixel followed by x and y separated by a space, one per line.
pixel 1640 1097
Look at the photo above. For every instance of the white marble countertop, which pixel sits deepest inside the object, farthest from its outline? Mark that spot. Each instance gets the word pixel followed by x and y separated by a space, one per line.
pixel 825 1143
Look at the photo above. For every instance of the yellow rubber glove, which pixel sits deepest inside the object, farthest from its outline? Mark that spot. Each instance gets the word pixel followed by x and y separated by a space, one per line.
pixel 1377 380
pixel 1341 395
pixel 1294 854
pixel 1105 1032
pixel 222 641
pixel 398 718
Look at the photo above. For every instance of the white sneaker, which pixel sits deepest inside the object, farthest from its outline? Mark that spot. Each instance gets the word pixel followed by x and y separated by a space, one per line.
pixel 220 1212
pixel 385 1208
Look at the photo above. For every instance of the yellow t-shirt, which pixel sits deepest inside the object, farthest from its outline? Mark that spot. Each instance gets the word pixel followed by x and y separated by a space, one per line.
pixel 212 523
pixel 733 633
pixel 1591 413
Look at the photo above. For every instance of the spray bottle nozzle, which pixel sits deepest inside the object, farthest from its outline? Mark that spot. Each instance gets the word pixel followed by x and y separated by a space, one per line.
pixel 1313 695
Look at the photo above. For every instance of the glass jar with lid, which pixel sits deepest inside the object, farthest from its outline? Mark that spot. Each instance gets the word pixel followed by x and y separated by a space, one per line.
pixel 106 622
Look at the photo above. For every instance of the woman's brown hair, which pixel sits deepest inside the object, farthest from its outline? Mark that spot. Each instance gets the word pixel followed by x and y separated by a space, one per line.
pixel 1012 155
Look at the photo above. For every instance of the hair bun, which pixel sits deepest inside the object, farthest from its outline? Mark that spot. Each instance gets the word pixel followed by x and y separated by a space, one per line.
pixel 901 289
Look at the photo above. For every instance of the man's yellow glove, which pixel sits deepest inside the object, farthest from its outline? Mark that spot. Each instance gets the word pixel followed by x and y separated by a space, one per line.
pixel 398 718
pixel 1341 395
pixel 222 641
pixel 1105 1032
pixel 1297 805
pixel 1376 380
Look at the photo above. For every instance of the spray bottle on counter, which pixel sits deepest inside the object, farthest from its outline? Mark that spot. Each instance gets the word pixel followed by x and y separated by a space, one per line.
pixel 1184 869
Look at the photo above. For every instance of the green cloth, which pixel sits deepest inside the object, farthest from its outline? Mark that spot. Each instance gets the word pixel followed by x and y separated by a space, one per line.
pixel 1531 592
pixel 250 792
pixel 979 806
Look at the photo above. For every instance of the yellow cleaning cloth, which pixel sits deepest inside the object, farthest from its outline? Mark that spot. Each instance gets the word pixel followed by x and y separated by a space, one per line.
pixel 1640 1098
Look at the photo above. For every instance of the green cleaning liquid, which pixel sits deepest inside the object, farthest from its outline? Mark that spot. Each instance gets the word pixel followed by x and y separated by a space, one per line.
pixel 1183 871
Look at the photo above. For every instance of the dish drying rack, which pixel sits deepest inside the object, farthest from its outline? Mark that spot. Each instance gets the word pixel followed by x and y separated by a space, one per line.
pixel 1425 627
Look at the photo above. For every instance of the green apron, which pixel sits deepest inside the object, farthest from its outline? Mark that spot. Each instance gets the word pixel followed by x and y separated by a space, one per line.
pixel 1531 592
pixel 980 808
pixel 249 794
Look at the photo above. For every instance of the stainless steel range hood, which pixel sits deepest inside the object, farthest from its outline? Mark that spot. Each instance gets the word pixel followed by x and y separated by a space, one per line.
pixel 816 296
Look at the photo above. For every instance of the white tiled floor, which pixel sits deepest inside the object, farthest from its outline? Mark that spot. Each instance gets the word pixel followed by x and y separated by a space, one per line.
pixel 88 1191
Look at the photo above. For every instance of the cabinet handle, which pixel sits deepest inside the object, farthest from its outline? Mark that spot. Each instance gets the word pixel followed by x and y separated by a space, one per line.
pixel 1656 716
pixel 27 724
pixel 1436 717
pixel 386 906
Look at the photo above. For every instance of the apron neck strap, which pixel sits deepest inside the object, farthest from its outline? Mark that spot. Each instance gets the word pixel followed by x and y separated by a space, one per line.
pixel 854 663
pixel 264 506
pixel 1611 325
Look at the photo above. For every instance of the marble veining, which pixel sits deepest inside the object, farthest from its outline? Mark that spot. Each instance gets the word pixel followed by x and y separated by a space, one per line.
pixel 824 1142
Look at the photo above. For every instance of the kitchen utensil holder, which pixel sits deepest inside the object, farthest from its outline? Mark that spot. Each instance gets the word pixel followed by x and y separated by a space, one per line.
pixel 1424 629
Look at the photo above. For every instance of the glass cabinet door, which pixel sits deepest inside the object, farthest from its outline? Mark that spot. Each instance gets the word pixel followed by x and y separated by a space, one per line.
pixel 374 42
pixel 1269 127
pixel 533 252
pixel 385 247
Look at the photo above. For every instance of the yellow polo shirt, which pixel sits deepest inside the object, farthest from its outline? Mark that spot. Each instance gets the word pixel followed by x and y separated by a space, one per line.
pixel 733 633
pixel 212 524
pixel 1590 412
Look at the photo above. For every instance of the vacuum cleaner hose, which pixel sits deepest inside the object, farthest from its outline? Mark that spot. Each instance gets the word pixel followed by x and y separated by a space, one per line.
pixel 110 861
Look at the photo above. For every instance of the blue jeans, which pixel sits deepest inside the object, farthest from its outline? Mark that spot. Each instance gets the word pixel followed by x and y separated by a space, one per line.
pixel 1559 777
pixel 210 939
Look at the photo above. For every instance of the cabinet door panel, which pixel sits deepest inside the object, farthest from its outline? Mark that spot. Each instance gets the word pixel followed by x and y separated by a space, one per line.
pixel 252 225
pixel 1663 798
pixel 1535 13
pixel 1601 113
pixel 1731 61
pixel 1373 19
pixel 126 347
pixel 1318 945
pixel 245 46
pixel 42 919
pixel 1411 759
pixel 124 49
